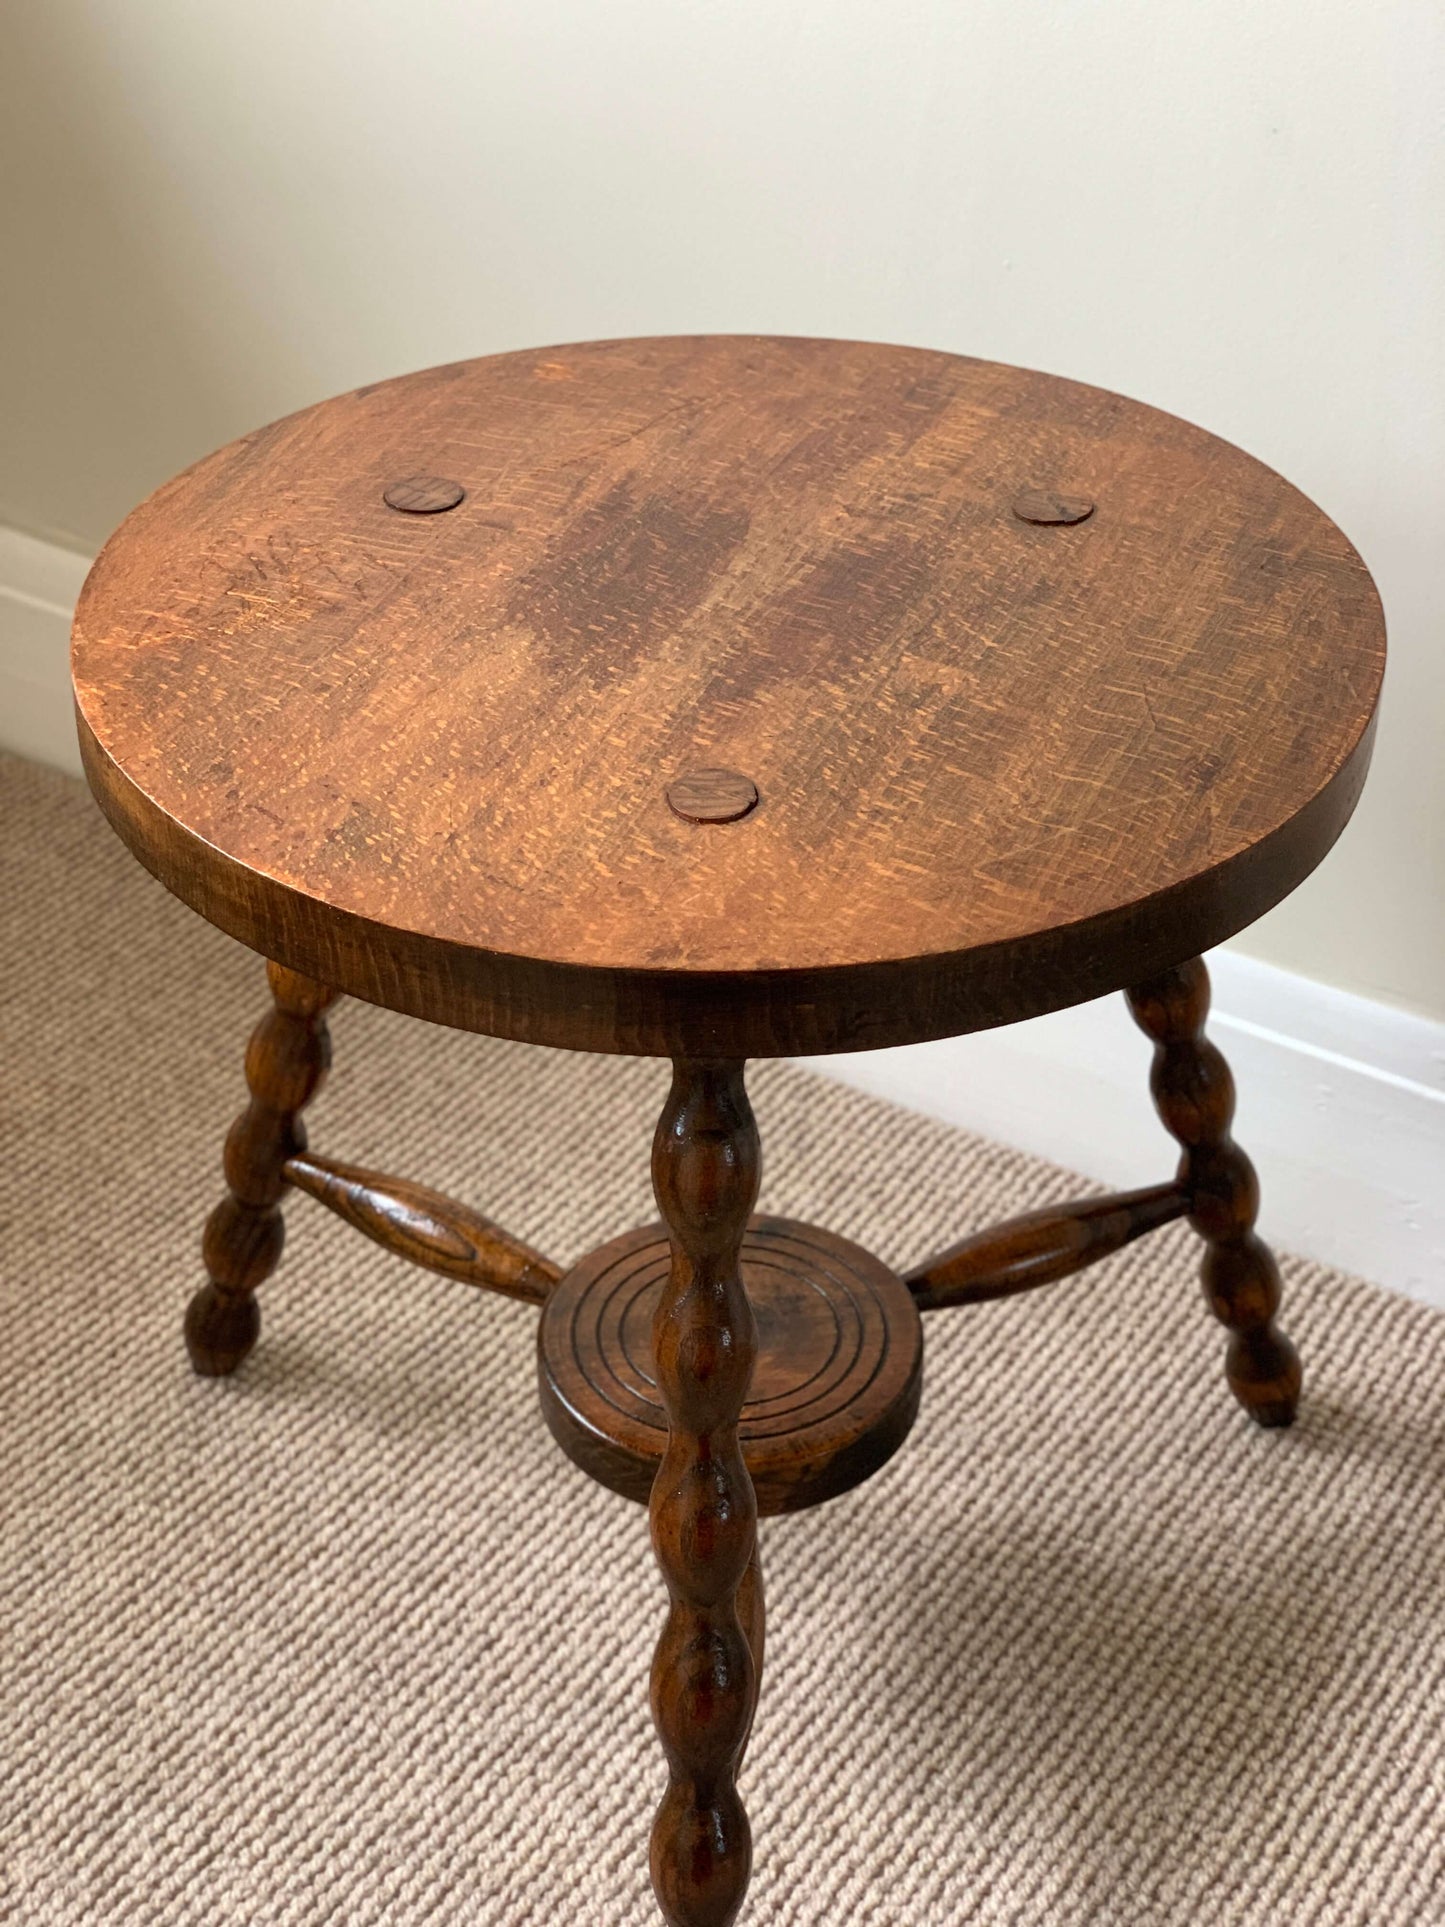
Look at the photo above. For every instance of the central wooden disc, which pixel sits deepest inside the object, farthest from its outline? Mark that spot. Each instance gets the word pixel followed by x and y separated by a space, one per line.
pixel 835 1388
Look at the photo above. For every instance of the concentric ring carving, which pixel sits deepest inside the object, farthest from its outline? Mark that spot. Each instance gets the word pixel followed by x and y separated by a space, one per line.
pixel 834 1390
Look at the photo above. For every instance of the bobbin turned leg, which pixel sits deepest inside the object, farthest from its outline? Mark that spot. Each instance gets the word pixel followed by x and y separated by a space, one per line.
pixel 286 1059
pixel 705 1167
pixel 1194 1095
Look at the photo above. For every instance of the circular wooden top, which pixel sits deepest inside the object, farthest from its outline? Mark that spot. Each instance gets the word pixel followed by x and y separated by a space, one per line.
pixel 1039 689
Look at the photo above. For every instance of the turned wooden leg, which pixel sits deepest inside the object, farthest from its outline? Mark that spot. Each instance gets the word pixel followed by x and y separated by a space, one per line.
pixel 752 1617
pixel 705 1167
pixel 286 1059
pixel 1194 1095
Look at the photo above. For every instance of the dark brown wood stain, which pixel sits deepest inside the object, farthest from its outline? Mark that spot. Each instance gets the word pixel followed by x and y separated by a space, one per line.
pixel 287 1058
pixel 715 698
pixel 1194 1094
pixel 835 1385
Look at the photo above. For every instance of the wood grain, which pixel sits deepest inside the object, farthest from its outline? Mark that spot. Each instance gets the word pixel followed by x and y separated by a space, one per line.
pixel 706 1163
pixel 287 1058
pixel 1024 1253
pixel 1003 766
pixel 1194 1094
pixel 752 1617
pixel 426 1227
pixel 836 1379
pixel 712 795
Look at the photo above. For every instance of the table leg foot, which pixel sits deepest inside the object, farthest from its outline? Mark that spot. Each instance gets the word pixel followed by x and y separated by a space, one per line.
pixel 1194 1095
pixel 705 1168
pixel 286 1060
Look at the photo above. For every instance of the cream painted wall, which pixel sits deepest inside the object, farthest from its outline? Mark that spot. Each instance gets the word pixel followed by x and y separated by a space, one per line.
pixel 215 213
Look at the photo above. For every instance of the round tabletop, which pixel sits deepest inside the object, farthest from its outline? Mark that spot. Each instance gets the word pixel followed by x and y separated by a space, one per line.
pixel 728 696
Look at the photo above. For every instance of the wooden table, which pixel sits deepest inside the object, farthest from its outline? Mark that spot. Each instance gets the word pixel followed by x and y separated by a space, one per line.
pixel 718 698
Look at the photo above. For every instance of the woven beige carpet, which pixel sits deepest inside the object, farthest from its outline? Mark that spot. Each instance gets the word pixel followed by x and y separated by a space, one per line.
pixel 346 1639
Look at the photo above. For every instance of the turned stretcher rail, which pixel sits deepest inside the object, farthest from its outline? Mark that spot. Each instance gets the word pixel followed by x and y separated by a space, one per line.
pixel 426 1227
pixel 1034 1250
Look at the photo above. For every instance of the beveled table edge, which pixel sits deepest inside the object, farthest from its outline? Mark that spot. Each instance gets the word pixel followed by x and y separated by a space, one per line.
pixel 764 1013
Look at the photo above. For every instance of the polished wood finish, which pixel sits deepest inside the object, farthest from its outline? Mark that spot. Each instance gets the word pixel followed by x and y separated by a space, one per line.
pixel 835 1385
pixel 426 1227
pixel 286 1059
pixel 1043 1245
pixel 752 1617
pixel 1194 1095
pixel 712 698
pixel 1004 765
pixel 706 1163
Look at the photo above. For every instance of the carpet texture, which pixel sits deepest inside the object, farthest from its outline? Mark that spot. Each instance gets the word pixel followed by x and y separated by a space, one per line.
pixel 345 1639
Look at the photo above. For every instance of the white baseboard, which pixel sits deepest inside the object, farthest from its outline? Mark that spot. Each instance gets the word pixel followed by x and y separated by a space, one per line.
pixel 1341 1100
pixel 1341 1106
pixel 38 586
